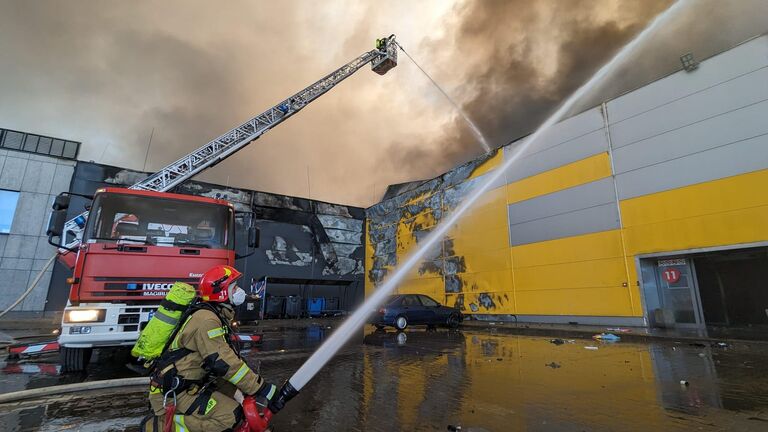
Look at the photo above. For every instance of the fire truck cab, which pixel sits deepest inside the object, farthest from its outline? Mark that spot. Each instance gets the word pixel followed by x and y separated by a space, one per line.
pixel 135 245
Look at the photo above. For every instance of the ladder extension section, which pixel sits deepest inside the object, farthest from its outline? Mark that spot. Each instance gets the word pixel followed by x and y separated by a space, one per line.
pixel 381 60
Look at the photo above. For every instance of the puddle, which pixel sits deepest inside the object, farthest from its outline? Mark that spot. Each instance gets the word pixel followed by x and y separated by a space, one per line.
pixel 428 380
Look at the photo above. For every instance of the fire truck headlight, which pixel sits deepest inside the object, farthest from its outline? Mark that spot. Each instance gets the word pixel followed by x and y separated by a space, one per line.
pixel 84 315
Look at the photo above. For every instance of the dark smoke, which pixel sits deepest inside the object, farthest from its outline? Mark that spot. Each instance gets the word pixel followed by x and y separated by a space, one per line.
pixel 511 95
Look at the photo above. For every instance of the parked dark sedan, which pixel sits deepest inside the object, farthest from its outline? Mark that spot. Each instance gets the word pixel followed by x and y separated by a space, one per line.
pixel 400 311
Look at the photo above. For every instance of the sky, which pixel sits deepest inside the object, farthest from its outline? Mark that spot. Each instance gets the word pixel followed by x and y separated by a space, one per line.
pixel 113 73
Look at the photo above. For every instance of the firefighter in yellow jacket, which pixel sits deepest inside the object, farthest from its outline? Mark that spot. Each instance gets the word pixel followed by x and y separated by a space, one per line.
pixel 197 375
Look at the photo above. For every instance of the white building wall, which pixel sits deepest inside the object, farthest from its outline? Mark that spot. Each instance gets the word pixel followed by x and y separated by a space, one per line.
pixel 24 251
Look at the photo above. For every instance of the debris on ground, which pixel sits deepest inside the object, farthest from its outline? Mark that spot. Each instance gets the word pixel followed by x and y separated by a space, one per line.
pixel 558 341
pixel 684 383
pixel 590 347
pixel 618 329
pixel 453 428
pixel 721 345
pixel 553 365
pixel 606 337
pixel 697 345
pixel 702 355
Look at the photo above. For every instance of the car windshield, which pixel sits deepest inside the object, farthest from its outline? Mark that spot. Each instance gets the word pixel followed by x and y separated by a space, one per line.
pixel 158 221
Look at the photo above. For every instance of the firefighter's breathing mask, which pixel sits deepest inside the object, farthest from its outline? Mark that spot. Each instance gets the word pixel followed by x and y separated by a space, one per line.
pixel 236 295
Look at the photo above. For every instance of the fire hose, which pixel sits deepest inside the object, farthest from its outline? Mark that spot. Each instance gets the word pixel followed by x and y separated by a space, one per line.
pixel 71 388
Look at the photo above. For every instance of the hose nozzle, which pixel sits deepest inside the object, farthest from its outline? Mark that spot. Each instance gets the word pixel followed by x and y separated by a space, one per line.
pixel 287 392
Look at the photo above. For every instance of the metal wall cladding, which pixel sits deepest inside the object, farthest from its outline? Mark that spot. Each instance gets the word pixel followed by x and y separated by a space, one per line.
pixel 572 139
pixel 663 134
pixel 727 65
pixel 583 209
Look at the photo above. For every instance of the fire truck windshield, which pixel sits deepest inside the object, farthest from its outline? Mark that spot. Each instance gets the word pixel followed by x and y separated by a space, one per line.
pixel 160 222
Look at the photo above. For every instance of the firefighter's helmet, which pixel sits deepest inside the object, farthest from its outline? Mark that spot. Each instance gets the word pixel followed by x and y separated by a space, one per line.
pixel 215 283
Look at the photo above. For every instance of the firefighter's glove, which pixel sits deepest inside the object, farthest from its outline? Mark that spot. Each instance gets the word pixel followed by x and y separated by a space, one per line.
pixel 269 392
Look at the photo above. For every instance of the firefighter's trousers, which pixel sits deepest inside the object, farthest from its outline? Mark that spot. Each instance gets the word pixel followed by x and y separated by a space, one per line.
pixel 220 413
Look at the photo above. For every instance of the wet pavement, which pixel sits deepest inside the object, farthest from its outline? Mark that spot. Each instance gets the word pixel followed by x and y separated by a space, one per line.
pixel 480 379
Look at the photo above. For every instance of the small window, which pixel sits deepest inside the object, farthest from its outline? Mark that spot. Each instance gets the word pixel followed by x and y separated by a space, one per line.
pixel 410 301
pixel 30 144
pixel 70 150
pixel 44 146
pixel 13 140
pixel 8 201
pixel 57 148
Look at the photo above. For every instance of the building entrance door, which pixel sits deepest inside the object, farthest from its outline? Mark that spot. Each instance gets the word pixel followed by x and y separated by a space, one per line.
pixel 678 292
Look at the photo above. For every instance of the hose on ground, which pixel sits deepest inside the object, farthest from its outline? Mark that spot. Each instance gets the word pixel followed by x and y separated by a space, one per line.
pixel 70 388
pixel 31 287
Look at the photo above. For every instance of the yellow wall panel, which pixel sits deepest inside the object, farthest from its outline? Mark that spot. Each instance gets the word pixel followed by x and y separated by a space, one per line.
pixel 733 227
pixel 487 281
pixel 489 165
pixel 584 274
pixel 432 286
pixel 479 239
pixel 486 260
pixel 573 174
pixel 605 244
pixel 485 218
pixel 501 302
pixel 614 301
pixel 717 196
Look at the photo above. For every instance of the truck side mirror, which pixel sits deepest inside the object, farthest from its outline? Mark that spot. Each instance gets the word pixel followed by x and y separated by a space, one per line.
pixel 253 237
pixel 61 202
pixel 56 222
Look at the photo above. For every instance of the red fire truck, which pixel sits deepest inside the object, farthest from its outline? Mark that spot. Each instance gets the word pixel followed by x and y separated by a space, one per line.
pixel 134 246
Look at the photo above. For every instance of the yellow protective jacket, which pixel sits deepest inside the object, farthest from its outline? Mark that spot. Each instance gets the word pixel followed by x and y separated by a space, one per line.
pixel 205 336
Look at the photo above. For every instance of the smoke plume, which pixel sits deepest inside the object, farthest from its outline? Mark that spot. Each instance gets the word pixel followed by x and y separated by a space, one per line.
pixel 111 74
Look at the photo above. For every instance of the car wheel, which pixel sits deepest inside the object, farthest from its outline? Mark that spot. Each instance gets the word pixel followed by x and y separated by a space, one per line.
pixel 401 322
pixel 453 321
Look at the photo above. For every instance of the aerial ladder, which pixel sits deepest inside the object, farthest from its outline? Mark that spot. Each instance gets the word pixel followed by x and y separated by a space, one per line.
pixel 382 59
pixel 142 238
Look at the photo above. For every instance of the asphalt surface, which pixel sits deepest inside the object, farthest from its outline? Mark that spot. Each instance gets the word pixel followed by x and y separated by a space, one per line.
pixel 479 379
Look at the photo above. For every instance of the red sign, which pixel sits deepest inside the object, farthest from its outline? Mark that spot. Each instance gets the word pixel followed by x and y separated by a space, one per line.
pixel 671 275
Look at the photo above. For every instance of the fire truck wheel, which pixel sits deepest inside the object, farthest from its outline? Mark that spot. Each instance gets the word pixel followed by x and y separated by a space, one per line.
pixel 75 359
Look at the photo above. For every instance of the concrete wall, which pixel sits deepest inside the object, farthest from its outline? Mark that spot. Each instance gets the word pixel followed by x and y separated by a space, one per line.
pixel 24 251
pixel 679 164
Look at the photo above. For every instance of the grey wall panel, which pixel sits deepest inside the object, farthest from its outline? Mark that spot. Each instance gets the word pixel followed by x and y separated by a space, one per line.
pixel 593 219
pixel 728 128
pixel 564 131
pixel 724 161
pixel 554 157
pixel 568 200
pixel 742 59
pixel 719 99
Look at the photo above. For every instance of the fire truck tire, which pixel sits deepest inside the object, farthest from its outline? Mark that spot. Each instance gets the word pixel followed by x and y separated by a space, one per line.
pixel 75 359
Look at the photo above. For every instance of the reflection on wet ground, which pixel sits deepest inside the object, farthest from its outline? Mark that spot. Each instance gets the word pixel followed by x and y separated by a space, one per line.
pixel 428 380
